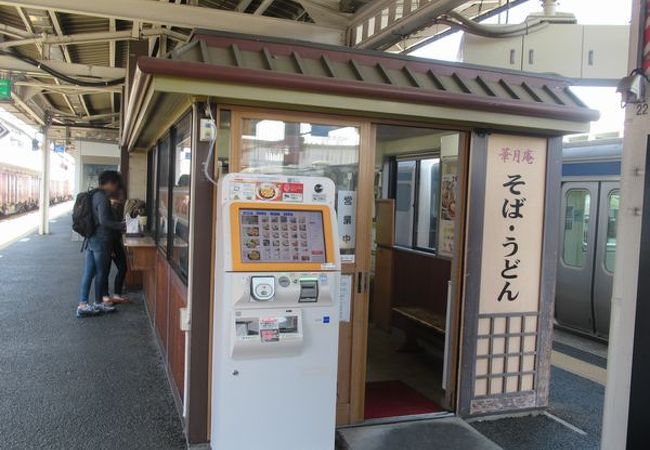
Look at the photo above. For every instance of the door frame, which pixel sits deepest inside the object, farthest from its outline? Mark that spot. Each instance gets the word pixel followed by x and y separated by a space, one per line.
pixel 357 329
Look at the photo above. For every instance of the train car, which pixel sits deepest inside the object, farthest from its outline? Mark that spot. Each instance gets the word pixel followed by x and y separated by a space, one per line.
pixel 19 189
pixel 589 209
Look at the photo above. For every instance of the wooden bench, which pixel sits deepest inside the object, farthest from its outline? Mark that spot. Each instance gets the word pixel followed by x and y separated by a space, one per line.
pixel 418 322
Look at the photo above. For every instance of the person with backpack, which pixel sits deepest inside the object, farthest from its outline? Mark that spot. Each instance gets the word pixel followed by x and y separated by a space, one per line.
pixel 92 218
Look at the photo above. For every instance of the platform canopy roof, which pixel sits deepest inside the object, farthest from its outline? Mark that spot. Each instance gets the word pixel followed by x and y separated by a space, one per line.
pixel 67 58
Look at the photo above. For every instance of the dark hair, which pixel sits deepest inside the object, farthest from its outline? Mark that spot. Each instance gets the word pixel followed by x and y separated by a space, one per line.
pixel 110 176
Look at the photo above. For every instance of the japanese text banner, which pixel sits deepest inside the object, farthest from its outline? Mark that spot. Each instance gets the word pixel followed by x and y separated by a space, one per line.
pixel 513 224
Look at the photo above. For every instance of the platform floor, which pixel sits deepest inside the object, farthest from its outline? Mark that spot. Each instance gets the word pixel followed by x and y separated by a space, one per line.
pixel 447 433
pixel 572 421
pixel 100 383
pixel 68 383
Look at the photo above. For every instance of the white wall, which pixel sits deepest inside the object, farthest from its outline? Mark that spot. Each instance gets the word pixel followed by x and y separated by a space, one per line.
pixel 138 175
pixel 94 153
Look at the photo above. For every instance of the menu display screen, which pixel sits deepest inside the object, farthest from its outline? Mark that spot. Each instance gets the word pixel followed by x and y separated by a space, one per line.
pixel 282 236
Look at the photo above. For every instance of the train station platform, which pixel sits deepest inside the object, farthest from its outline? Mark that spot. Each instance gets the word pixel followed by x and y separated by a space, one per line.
pixel 75 384
pixel 101 383
pixel 14 228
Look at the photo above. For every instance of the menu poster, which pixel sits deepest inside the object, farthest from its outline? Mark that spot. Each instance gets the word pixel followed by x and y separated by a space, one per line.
pixel 448 186
pixel 281 236
pixel 268 191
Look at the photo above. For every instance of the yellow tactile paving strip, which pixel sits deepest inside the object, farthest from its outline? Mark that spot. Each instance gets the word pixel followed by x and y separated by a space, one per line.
pixel 578 367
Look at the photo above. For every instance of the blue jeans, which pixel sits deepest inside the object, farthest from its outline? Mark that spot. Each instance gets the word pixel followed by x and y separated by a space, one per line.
pixel 96 265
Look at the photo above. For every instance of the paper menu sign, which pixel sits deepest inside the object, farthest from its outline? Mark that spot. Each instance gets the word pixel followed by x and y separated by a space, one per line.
pixel 345 298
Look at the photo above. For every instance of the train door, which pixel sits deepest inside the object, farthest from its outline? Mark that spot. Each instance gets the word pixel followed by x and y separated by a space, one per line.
pixel 605 255
pixel 586 262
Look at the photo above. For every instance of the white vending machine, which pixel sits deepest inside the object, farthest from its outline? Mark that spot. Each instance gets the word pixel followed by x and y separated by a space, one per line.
pixel 276 314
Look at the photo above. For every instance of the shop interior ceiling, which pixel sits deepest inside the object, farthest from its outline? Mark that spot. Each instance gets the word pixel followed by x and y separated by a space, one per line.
pixel 67 59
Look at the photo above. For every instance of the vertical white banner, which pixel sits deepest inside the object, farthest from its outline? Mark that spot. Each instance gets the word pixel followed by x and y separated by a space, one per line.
pixel 513 224
pixel 346 208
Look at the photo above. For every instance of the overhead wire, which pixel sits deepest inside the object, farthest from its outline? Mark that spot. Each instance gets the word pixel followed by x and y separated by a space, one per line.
pixel 59 75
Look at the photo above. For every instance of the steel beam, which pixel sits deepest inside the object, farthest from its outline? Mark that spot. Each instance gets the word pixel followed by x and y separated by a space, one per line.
pixel 242 5
pixel 27 109
pixel 88 38
pixel 190 17
pixel 68 88
pixel 13 31
pixel 15 65
pixel 112 55
pixel 397 29
pixel 323 15
pixel 264 5
pixel 66 57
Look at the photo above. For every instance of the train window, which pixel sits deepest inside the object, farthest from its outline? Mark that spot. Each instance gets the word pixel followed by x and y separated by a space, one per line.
pixel 417 201
pixel 404 193
pixel 612 217
pixel 576 227
pixel 428 200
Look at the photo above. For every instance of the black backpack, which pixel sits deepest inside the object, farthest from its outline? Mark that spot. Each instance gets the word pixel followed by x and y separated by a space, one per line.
pixel 83 220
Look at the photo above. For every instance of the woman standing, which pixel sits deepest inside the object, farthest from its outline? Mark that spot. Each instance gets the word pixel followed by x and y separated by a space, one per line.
pixel 118 255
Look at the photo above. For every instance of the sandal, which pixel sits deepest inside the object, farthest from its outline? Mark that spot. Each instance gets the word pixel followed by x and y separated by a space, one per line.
pixel 119 300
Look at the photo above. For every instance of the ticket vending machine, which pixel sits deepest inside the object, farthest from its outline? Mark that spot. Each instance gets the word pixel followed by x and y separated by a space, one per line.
pixel 276 314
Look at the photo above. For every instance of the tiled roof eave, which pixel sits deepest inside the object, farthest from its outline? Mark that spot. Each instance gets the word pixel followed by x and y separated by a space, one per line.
pixel 362 89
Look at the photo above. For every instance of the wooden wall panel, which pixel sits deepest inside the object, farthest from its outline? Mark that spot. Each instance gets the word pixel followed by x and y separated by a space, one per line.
pixel 134 280
pixel 176 337
pixel 162 299
pixel 149 283
pixel 385 220
pixel 420 279
pixel 382 296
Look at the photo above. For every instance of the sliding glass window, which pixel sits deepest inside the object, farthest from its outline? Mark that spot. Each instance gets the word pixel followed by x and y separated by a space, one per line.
pixel 162 195
pixel 180 214
pixel 309 149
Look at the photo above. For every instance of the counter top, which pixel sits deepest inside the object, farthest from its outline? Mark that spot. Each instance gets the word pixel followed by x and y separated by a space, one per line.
pixel 139 241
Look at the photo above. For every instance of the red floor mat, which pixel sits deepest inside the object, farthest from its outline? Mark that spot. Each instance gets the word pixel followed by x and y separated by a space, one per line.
pixel 394 398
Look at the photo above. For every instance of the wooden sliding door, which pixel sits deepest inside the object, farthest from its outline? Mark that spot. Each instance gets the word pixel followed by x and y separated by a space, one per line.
pixel 340 148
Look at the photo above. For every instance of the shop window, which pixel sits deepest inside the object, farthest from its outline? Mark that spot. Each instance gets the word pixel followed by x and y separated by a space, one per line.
pixel 162 195
pixel 612 218
pixel 180 213
pixel 576 227
pixel 307 149
pixel 417 203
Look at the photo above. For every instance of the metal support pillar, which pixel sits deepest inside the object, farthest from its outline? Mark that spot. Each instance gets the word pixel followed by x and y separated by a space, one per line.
pixel 44 194
pixel 625 423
